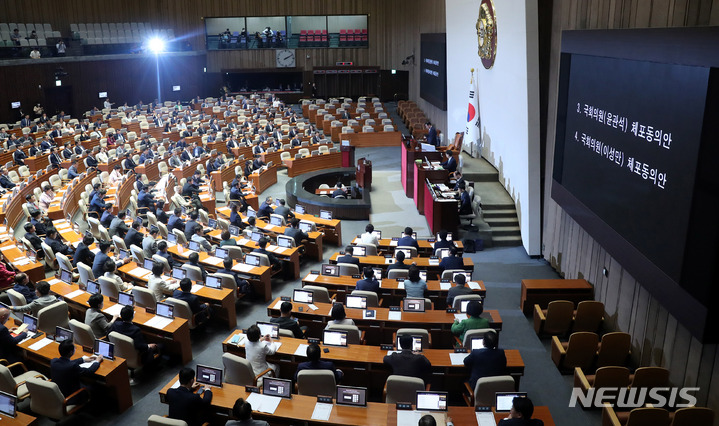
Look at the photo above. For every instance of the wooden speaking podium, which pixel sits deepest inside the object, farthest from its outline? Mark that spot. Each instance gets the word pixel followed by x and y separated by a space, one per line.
pixel 364 174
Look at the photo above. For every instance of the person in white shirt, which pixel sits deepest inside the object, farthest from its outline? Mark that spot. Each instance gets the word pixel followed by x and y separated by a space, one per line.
pixel 102 156
pixel 256 350
pixel 368 237
pixel 110 269
pixel 35 54
pixel 157 283
pixel 107 104
pixel 115 176
pixel 46 198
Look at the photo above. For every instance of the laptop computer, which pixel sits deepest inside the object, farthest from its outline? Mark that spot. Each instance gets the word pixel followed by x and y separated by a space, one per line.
pixel 212 223
pixel 31 322
pixel 378 273
pixel 413 305
pixel 348 395
pixel 442 253
pixel 126 299
pixel 221 253
pixel 359 251
pixel 209 375
pixel 277 387
pixel 234 230
pixel 269 328
pixel 148 263
pixel 104 348
pixel 325 214
pixel 357 302
pixel 213 282
pixel 252 260
pixel 193 245
pixel 165 310
pixel 171 238
pixel 330 270
pixel 431 401
pixel 305 227
pixel 255 236
pixel 334 338
pixel 8 404
pixel 299 208
pixel 124 254
pixel 302 296
pixel 178 273
pixel 275 221
pixel 62 334
pixel 477 343
pixel 407 253
pixel 503 400
pixel 467 276
pixel 66 276
pixel 377 234
pixel 93 287
pixel 251 213
pixel 284 242
pixel 416 344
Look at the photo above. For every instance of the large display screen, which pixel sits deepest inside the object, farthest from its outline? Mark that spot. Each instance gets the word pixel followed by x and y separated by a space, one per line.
pixel 433 69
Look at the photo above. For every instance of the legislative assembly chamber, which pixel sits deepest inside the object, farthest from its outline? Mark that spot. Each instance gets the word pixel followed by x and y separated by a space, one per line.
pixel 370 212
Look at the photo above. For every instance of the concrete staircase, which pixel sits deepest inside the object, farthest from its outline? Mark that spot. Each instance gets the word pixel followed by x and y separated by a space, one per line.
pixel 499 212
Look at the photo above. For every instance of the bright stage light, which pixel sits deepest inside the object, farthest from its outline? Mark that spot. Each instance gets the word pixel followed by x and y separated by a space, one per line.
pixel 156 45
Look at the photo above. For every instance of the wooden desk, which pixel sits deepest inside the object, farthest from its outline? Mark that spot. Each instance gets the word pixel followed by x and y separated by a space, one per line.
pixel 37 163
pixel 423 263
pixel 72 200
pixel 15 255
pixel 380 329
pixel 421 173
pixel 263 180
pixel 392 291
pixel 332 228
pixel 112 374
pixel 372 139
pixel 222 297
pixel 542 292
pixel 185 172
pixel 21 419
pixel 441 213
pixel 313 163
pixel 409 155
pixel 466 415
pixel 226 174
pixel 105 167
pixel 152 171
pixel 175 336
pixel 426 246
pixel 14 212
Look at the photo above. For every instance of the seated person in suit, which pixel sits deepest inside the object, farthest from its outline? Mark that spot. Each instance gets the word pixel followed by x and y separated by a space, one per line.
pixel 283 210
pixel 160 213
pixel 473 321
pixel 399 262
pixel 107 216
pixel 414 285
pixel 5 181
pixel 83 253
pixel 295 232
pixel 31 236
pixel 67 372
pixel 340 192
pixel 458 290
pixel 459 180
pixel 262 244
pixel 465 203
pixel 184 293
pixel 134 236
pixel 199 238
pixel 190 225
pixel 452 261
pixel 442 242
pixel 235 217
pixel 314 353
pixel 184 403
pixel 8 343
pixel 43 300
pixel 243 285
pixel 368 237
pixel 52 239
pixel 194 260
pixel 126 327
pixel 242 411
pixel 96 319
pixel 23 286
pixel 407 239
pixel 266 208
pixel 486 362
pixel 369 283
pixel 227 239
pixel 111 274
pixel 521 414
pixel 451 164
pixel 98 265
pixel 118 226
pixel 407 363
pixel 286 321
pixel 162 251
pixel 175 220
pixel 348 258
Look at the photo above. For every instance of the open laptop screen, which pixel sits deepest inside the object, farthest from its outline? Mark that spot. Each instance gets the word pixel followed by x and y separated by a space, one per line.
pixel 347 395
pixel 277 387
pixel 503 400
pixel 269 328
pixel 165 310
pixel 221 253
pixel 305 227
pixel 275 221
pixel 31 322
pixel 126 299
pixel 104 348
pixel 178 273
pixel 377 234
pixel 431 401
pixel 299 208
pixel 331 270
pixel 209 375
pixel 252 260
pixel 334 338
pixel 416 343
pixel 234 230
pixel 213 282
pixel 477 343
pixel 62 334
pixel 413 305
pixel 93 287
pixel 8 404
pixel 407 253
pixel 285 242
pixel 358 302
pixel 359 251
pixel 325 214
pixel 194 245
pixel 302 296
pixel 148 263
pixel 172 238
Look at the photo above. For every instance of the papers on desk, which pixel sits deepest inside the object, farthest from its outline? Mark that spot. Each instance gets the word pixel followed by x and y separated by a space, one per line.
pixel 282 250
pixel 435 164
pixel 21 261
pixel 242 241
pixel 242 267
pixel 89 363
pixel 393 352
pixel 158 322
pixel 6 248
pixel 433 262
pixel 457 359
pixel 272 248
pixel 176 384
pixel 54 281
pixel 238 339
pixel 278 304
pixel 400 285
pixel 444 286
pixel 388 261
pixel 311 277
pixel 393 243
pixel 74 294
pixel 394 316
pixel 460 317
pixel 276 345
pixel 213 260
pixel 322 411
pixel 449 195
pixel 263 403
pixel 139 272
pixel 40 344
pixel 473 285
pixel 195 288
pixel 485 418
pixel 113 310
pixel 313 306
pixel 76 243
pixel 302 351
pixel 95 250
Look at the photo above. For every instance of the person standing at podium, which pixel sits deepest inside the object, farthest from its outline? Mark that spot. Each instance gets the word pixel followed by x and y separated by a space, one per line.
pixel 432 138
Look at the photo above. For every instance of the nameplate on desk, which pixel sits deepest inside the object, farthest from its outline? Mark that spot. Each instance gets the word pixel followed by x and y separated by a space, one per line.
pixel 431 240
pixel 314 272
pixel 285 298
pixel 451 310
pixel 404 405
pixel 356 276
pixel 252 389
pixel 394 308
pixel 434 258
pixel 386 347
pixel 150 311
pixel 460 350
pixel 482 408
pixel 324 399
pixel 315 340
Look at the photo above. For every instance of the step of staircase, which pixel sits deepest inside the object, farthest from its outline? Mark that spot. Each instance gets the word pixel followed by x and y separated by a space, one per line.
pixel 501 221
pixel 506 241
pixel 492 212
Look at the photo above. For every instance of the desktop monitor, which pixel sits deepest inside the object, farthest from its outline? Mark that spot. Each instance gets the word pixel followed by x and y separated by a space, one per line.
pixel 503 400
pixel 413 305
pixel 66 276
pixel 178 273
pixel 148 263
pixel 302 296
pixel 165 310
pixel 212 223
pixel 477 343
pixel 325 214
pixel 209 375
pixel 347 395
pixel 275 221
pixel 255 236
pixel 234 230
pixel 299 208
pixel 126 299
pixel 442 253
pixel 330 270
pixel 213 282
pixel 194 245
pixel 268 328
pixel 284 242
pixel 31 322
pixel 377 234
pixel 305 227
pixel 93 287
pixel 124 254
pixel 358 302
pixel 221 253
pixel 104 348
pixel 431 401
pixel 416 343
pixel 8 404
pixel 62 334
pixel 359 251
pixel 334 338
pixel 277 387
pixel 252 260
pixel 171 238
pixel 407 253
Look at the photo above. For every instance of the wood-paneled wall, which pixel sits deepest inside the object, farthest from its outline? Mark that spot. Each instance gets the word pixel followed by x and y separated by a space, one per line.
pixel 393 26
pixel 657 338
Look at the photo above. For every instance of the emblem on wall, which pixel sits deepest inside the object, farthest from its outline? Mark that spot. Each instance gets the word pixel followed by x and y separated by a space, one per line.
pixel 487 33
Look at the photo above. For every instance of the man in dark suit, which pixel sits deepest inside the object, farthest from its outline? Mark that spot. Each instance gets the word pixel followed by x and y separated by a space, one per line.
pixel 90 160
pixel 465 203
pixel 98 264
pixel 134 236
pixel 521 414
pixel 37 223
pixel 452 261
pixel 67 372
pixel 314 362
pixel 286 321
pixel 19 156
pixel 190 225
pixel 25 122
pixel 145 199
pixel 369 283
pixel 175 220
pixel 67 152
pixel 184 403
pixel 32 237
pixel 347 257
pixel 160 212
pixel 128 163
pixel 8 343
pixel 32 151
pixel 54 158
pixel 451 164
pixel 399 262
pixel 107 216
pixel 274 261
pixel 407 239
pixel 407 363
pixel 295 232
pixel 442 241
pixel 486 362
pixel 127 328
pixel 432 138
pixel 458 290
pixel 184 293
pixel 83 253
pixel 339 192
pixel 53 240
pixel 266 209
pixel 197 150
pixel 459 180
pixel 242 284
pixel 79 150
pixel 5 181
